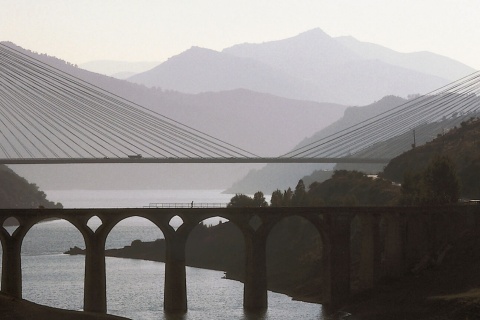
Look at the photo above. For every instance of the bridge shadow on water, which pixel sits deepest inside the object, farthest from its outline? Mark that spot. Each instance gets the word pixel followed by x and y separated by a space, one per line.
pixel 258 315
pixel 264 315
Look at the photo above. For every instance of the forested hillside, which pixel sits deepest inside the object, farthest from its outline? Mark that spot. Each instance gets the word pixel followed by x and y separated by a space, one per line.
pixel 17 192
pixel 460 144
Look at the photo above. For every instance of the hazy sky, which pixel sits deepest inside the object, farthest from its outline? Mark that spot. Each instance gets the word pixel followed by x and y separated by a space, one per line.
pixel 153 30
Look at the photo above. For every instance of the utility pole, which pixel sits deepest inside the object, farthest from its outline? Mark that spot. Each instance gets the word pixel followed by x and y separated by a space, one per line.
pixel 414 140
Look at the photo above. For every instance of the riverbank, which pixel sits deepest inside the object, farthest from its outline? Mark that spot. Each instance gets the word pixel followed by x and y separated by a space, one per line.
pixel 450 290
pixel 19 309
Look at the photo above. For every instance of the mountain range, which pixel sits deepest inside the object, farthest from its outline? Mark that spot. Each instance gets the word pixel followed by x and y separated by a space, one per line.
pixel 309 66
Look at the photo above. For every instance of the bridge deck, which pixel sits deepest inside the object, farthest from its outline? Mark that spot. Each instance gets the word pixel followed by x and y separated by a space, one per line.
pixel 188 160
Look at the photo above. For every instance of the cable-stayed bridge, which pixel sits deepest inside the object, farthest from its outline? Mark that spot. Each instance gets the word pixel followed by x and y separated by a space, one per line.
pixel 48 116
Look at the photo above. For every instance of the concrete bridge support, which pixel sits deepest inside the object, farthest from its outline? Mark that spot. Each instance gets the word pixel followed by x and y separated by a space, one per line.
pixel 175 300
pixel 255 287
pixel 394 244
pixel 370 252
pixel 337 260
pixel 12 266
pixel 95 292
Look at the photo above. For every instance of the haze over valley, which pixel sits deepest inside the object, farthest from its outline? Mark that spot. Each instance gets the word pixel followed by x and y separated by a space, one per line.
pixel 265 98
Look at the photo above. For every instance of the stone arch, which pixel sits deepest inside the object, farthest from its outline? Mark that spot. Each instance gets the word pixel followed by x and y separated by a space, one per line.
pixel 110 223
pixel 62 234
pixel 217 247
pixel 298 234
pixel 124 231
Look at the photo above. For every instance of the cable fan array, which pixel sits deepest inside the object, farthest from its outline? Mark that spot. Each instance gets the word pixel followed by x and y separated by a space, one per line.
pixel 47 113
pixel 396 130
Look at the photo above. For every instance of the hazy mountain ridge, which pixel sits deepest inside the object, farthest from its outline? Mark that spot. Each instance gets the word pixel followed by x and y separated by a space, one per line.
pixel 425 62
pixel 200 70
pixel 118 69
pixel 309 66
pixel 237 116
pixel 340 73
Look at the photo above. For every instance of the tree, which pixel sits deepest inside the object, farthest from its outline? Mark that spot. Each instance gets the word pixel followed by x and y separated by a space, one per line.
pixel 287 197
pixel 441 181
pixel 299 197
pixel 259 200
pixel 277 198
pixel 413 189
pixel 240 200
pixel 436 185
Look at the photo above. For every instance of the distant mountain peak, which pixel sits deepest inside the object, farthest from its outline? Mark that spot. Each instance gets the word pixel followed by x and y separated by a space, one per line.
pixel 199 49
pixel 313 33
pixel 197 53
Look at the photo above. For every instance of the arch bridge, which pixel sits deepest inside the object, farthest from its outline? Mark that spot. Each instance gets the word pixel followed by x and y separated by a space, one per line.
pixel 391 240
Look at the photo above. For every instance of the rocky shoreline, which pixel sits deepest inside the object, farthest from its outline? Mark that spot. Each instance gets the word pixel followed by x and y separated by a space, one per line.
pixel 18 309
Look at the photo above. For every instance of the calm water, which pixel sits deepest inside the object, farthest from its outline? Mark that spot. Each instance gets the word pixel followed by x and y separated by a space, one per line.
pixel 134 287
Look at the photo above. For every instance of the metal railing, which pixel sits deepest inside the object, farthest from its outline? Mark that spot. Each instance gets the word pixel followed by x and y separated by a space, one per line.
pixel 187 205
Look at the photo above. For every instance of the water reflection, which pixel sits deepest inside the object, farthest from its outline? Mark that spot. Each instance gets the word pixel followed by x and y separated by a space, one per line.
pixel 247 315
pixel 174 316
pixel 257 315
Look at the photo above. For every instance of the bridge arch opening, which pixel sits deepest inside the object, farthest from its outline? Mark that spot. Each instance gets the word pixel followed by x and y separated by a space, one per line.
pixel 215 255
pixel 50 277
pixel 138 283
pixel 11 224
pixel 294 254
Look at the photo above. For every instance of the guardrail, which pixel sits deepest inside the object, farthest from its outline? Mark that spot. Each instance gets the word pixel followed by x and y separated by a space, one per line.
pixel 187 205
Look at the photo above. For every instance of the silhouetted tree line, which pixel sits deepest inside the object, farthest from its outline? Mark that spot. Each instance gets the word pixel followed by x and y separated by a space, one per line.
pixel 437 184
pixel 345 188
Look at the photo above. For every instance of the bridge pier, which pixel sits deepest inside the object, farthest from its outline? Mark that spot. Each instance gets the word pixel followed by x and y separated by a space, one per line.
pixel 394 244
pixel 12 266
pixel 175 300
pixel 370 257
pixel 336 260
pixel 255 287
pixel 95 292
